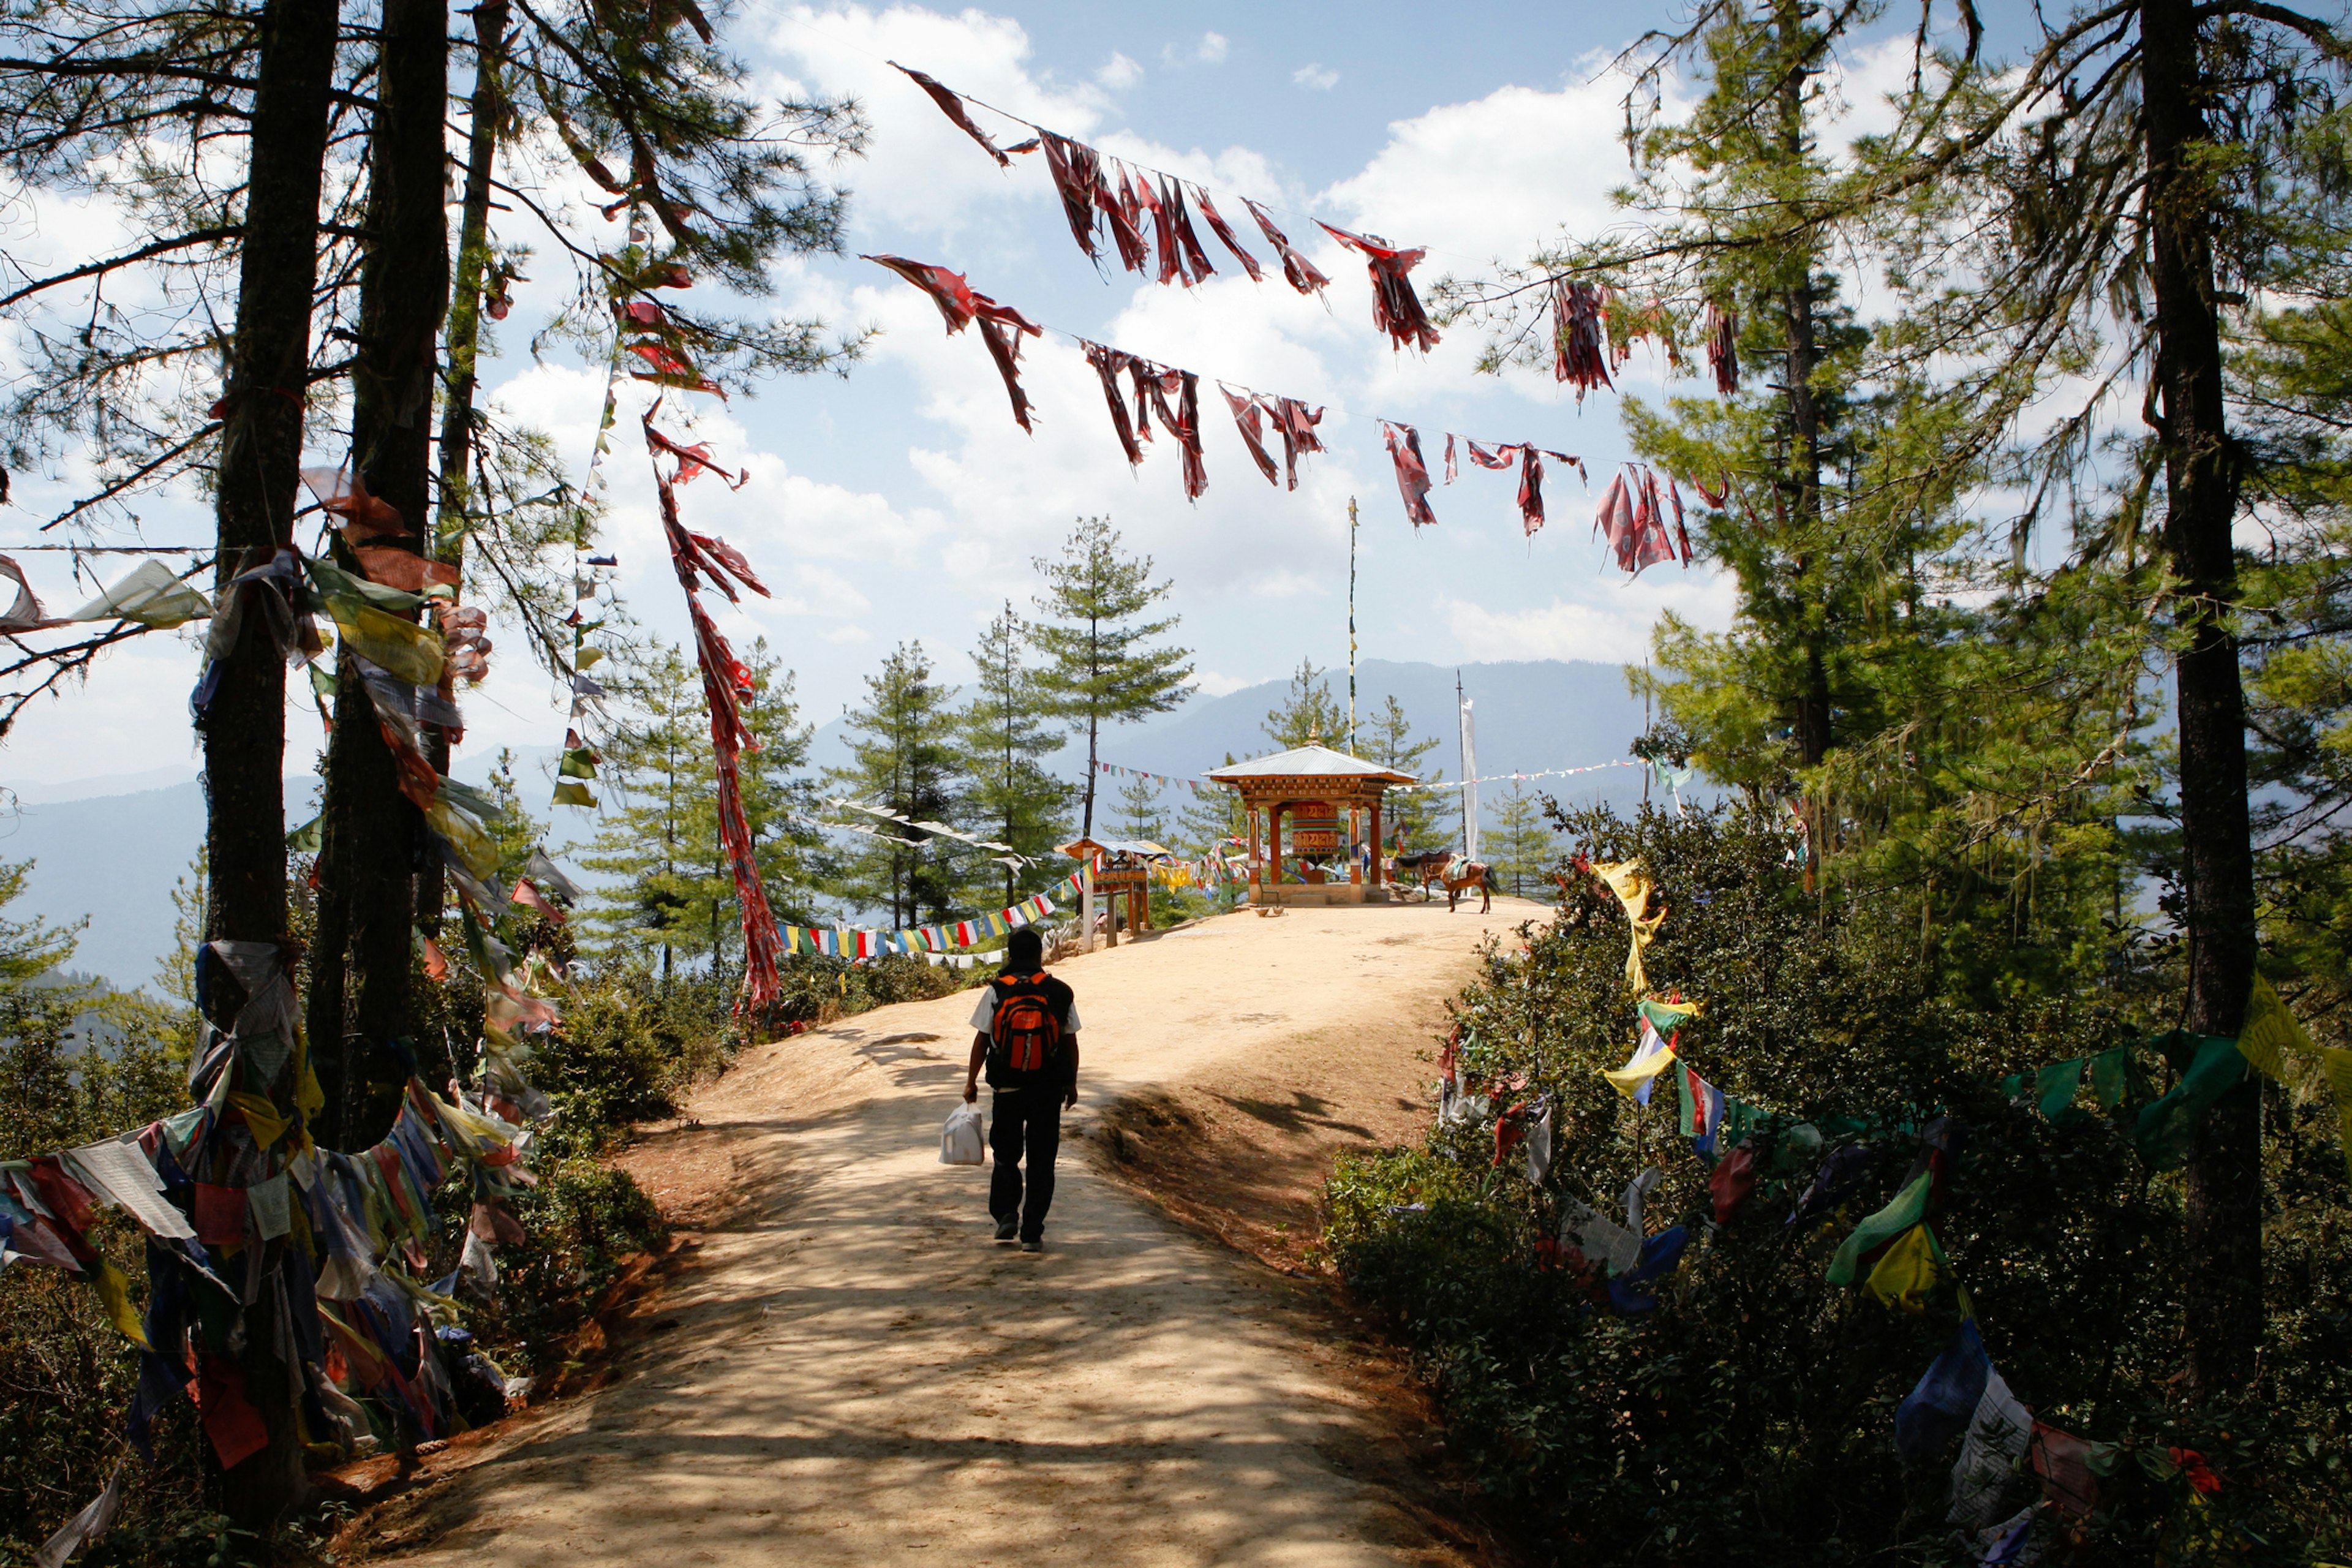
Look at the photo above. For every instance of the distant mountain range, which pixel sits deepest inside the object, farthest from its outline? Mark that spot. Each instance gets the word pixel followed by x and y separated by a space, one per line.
pixel 109 848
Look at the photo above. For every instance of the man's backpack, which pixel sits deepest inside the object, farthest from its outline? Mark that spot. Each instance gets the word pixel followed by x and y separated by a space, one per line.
pixel 1024 1037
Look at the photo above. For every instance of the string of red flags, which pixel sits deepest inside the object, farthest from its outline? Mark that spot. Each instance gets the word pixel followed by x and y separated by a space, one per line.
pixel 1135 390
pixel 1141 210
pixel 727 683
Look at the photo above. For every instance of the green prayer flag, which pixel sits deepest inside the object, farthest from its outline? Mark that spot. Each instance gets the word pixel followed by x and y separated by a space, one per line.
pixel 1909 1207
pixel 307 837
pixel 2054 1088
pixel 572 792
pixel 2114 1076
pixel 579 763
pixel 2167 1131
pixel 1667 1016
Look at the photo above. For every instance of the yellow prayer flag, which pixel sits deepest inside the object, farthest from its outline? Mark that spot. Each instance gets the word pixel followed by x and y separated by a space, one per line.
pixel 2270 1038
pixel 1630 883
pixel 474 847
pixel 268 1124
pixel 1642 1067
pixel 1907 1271
pixel 2336 1063
pixel 115 1292
pixel 402 647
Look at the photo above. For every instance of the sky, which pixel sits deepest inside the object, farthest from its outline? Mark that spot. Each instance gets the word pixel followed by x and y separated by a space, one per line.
pixel 901 503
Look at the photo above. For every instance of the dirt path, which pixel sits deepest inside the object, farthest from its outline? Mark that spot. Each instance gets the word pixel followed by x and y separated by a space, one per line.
pixel 852 1374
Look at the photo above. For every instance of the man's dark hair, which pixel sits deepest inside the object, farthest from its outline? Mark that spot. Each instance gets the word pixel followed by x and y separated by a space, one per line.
pixel 1024 950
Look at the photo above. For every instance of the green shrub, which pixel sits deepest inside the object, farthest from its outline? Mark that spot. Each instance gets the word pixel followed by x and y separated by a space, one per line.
pixel 583 1223
pixel 79 1067
pixel 1749 1417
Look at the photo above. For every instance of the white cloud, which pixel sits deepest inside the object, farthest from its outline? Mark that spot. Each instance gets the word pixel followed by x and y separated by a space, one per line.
pixel 1213 684
pixel 1321 78
pixel 1594 628
pixel 1495 177
pixel 1118 71
pixel 920 171
pixel 1212 49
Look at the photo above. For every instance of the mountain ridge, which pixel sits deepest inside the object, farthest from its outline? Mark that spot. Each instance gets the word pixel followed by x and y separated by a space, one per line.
pixel 113 858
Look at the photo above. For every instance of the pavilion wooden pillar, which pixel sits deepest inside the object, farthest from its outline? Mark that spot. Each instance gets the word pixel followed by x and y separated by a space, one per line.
pixel 1379 859
pixel 1256 863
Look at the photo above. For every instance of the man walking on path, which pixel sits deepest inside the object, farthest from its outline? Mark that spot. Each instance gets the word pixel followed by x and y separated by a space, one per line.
pixel 1026 1034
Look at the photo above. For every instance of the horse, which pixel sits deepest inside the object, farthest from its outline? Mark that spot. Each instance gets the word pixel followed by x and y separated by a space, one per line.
pixel 1422 870
pixel 1473 875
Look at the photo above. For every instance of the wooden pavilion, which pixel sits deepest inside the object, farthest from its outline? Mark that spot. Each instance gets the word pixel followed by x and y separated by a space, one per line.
pixel 1308 807
pixel 1115 867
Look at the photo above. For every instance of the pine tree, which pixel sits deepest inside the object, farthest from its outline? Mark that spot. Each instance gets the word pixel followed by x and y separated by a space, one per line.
pixel 1208 826
pixel 668 894
pixel 1099 666
pixel 2071 235
pixel 661 814
pixel 1409 818
pixel 1522 845
pixel 1008 795
pixel 89 93
pixel 1307 711
pixel 903 751
pixel 30 949
pixel 1141 814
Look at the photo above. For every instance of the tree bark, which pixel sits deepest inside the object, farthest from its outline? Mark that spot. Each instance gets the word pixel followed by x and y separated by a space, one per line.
pixel 462 335
pixel 254 503
pixel 374 837
pixel 2224 1296
pixel 1814 735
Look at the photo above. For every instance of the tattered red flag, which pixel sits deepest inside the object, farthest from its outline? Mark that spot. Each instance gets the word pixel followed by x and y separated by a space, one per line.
pixel 1303 274
pixel 1412 472
pixel 1396 309
pixel 953 107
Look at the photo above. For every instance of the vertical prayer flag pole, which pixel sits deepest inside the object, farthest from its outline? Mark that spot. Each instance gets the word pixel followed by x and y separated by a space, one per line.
pixel 1352 625
pixel 1469 776
pixel 1086 906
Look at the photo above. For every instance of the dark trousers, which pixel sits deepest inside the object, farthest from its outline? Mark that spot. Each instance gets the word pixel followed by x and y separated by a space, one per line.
pixel 1024 1120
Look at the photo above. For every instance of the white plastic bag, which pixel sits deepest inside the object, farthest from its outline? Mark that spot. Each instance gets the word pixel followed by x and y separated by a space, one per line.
pixel 961 1141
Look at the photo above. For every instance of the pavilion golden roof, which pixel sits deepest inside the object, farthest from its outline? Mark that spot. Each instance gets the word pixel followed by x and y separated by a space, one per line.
pixel 1309 761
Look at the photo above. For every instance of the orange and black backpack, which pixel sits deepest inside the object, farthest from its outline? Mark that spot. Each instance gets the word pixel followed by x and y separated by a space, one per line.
pixel 1026 1038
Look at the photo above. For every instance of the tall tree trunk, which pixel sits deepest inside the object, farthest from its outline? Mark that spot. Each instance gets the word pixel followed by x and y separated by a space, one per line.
pixel 2224 1299
pixel 373 836
pixel 463 335
pixel 1814 730
pixel 1094 733
pixel 244 723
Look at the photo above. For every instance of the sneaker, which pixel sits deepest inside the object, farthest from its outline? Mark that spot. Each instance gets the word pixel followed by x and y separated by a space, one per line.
pixel 1033 1246
pixel 1007 1229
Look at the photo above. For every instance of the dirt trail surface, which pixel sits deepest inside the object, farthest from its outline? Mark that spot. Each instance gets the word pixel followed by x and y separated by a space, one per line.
pixel 851 1372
